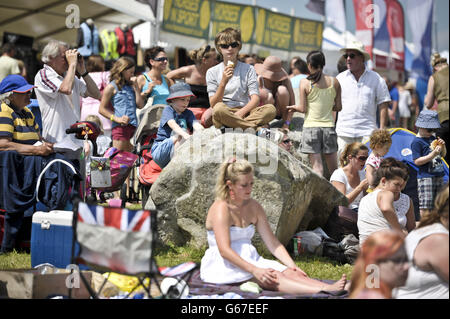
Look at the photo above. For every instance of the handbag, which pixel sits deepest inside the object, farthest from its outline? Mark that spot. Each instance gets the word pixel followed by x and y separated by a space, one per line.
pixel 342 221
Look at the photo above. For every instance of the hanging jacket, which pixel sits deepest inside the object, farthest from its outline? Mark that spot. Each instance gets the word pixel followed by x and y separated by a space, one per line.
pixel 18 181
pixel 126 42
pixel 90 40
pixel 109 44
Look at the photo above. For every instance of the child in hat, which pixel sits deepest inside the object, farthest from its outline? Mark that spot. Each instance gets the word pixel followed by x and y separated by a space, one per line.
pixel 426 153
pixel 176 124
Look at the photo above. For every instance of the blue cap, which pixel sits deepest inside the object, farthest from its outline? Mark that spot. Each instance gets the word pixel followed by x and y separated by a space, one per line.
pixel 15 83
pixel 428 119
pixel 178 90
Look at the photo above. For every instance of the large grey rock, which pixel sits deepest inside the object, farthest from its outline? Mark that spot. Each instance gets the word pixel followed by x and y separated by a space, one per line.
pixel 293 196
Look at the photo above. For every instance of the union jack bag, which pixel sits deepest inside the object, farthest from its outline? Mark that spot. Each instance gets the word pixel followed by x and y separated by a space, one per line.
pixel 116 239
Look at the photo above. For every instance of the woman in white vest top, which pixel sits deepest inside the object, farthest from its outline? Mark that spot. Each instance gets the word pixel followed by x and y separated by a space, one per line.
pixel 377 210
pixel 427 247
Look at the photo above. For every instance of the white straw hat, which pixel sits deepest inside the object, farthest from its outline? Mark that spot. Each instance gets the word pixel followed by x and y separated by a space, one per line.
pixel 358 46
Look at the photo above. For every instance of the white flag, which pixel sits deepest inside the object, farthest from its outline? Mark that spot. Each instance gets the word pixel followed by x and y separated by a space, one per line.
pixel 335 13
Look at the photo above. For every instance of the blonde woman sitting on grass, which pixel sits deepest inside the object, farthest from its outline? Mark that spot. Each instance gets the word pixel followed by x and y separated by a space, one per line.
pixel 231 223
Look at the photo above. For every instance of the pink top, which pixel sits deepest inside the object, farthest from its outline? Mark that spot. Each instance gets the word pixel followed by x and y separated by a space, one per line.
pixel 90 106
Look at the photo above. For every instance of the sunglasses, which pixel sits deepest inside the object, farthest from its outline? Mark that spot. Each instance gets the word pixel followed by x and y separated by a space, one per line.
pixel 362 158
pixel 287 141
pixel 207 49
pixel 226 46
pixel 161 59
pixel 351 55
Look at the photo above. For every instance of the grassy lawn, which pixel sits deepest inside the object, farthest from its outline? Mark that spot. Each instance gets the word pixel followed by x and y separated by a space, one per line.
pixel 314 266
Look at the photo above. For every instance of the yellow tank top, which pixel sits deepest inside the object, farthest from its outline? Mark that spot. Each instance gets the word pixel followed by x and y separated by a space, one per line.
pixel 320 104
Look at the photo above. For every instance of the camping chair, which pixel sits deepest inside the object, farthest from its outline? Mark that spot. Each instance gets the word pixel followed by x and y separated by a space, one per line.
pixel 122 241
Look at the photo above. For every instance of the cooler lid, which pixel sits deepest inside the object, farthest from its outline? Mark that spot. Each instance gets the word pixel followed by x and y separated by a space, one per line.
pixel 54 217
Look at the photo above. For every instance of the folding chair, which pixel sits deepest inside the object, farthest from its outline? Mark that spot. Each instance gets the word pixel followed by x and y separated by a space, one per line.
pixel 122 241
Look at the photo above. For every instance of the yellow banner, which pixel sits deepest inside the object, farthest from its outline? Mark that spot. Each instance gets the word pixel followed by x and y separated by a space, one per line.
pixel 230 15
pixel 307 35
pixel 188 17
pixel 273 30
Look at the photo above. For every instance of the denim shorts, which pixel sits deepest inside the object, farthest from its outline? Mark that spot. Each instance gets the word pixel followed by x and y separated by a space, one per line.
pixel 162 152
pixel 316 140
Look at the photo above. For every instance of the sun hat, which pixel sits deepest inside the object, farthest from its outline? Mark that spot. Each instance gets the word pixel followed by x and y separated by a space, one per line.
pixel 271 69
pixel 409 86
pixel 15 83
pixel 358 46
pixel 428 119
pixel 179 90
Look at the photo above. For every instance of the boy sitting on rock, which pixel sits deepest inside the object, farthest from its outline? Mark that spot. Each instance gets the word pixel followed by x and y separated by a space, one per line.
pixel 176 124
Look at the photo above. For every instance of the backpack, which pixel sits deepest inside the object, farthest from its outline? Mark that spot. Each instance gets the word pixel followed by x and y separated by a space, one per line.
pixel 342 222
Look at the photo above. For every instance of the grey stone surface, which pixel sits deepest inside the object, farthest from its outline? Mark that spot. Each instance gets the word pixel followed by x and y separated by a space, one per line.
pixel 292 195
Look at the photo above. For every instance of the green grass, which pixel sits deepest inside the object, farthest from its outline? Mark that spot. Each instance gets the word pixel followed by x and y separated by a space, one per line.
pixel 15 260
pixel 314 266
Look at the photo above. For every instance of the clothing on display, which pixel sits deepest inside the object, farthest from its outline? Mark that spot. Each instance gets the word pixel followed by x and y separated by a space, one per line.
pixel 125 39
pixel 88 39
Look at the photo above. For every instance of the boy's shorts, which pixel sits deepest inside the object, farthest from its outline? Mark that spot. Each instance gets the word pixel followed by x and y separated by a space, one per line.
pixel 123 132
pixel 428 188
pixel 162 152
pixel 317 140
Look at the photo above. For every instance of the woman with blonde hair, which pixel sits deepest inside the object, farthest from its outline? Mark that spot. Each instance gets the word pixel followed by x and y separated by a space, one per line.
pixel 350 178
pixel 427 247
pixel 231 223
pixel 382 265
pixel 195 75
pixel 124 95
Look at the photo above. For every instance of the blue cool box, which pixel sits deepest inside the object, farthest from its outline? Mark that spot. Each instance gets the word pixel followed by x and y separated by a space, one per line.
pixel 51 238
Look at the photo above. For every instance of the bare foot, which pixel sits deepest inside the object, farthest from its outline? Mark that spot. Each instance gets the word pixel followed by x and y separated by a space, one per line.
pixel 338 285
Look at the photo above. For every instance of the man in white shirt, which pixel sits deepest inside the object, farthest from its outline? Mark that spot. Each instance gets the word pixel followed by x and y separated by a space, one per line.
pixel 363 92
pixel 59 90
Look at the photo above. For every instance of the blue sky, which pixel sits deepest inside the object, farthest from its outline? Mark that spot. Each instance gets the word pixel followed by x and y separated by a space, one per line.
pixel 440 30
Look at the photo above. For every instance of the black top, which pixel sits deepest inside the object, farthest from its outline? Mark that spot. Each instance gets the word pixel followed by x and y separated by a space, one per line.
pixel 201 98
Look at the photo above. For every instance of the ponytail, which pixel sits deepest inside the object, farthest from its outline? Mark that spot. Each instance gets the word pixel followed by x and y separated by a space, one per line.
pixel 317 60
pixel 230 170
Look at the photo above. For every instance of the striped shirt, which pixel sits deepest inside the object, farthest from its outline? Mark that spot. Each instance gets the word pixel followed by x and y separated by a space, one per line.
pixel 59 111
pixel 20 126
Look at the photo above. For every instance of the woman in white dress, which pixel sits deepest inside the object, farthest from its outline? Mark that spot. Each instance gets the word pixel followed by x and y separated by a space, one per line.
pixel 231 223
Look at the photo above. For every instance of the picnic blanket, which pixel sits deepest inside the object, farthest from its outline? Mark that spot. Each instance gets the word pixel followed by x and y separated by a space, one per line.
pixel 199 287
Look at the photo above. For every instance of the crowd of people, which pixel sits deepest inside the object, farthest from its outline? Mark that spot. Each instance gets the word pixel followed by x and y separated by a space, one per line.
pixel 226 89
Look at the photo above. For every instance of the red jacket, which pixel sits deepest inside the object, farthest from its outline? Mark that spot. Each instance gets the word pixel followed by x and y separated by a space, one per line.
pixel 125 42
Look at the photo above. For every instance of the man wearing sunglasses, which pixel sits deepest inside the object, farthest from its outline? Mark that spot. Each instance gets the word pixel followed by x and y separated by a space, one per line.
pixel 233 88
pixel 364 93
